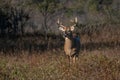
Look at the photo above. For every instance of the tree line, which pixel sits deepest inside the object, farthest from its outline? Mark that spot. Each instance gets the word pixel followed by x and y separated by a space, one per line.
pixel 14 18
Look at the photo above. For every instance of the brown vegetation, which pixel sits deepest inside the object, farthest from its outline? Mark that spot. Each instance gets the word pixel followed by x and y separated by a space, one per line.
pixel 92 65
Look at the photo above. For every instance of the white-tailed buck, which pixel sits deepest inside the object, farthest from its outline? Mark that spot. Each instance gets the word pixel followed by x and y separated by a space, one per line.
pixel 72 41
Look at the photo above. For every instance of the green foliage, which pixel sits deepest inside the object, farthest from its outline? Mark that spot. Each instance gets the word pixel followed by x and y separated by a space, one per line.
pixel 93 5
pixel 69 12
pixel 46 6
pixel 76 6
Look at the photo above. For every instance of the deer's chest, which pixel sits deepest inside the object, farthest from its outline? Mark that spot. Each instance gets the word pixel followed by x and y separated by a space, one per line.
pixel 67 45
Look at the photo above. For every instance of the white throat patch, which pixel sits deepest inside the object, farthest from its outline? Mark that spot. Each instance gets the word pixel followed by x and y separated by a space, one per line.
pixel 66 38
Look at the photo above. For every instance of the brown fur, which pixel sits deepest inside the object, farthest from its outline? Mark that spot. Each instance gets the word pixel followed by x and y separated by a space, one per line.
pixel 71 48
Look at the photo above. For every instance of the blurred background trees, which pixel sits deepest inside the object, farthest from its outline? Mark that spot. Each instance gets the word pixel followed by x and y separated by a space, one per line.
pixel 12 19
pixel 47 9
pixel 98 20
pixel 16 14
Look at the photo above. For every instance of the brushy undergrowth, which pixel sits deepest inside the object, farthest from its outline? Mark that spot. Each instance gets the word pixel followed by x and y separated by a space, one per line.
pixel 54 66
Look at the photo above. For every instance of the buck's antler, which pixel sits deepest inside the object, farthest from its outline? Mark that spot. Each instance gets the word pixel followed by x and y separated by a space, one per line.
pixel 60 23
pixel 74 21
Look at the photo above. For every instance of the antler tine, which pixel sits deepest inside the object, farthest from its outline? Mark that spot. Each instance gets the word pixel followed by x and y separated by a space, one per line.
pixel 76 20
pixel 59 23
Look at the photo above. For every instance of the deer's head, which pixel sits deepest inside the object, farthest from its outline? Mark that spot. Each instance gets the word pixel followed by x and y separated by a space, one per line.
pixel 67 30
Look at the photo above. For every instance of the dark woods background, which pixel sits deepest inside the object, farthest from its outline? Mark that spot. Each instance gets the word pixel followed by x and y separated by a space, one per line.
pixel 30 25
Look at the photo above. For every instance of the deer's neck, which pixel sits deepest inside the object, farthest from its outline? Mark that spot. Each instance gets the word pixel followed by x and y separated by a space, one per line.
pixel 68 43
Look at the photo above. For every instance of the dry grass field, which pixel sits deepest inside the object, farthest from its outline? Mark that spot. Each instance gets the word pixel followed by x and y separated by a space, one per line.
pixel 101 64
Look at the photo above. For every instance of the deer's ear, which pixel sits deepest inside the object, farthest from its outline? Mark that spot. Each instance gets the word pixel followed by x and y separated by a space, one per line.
pixel 72 28
pixel 62 28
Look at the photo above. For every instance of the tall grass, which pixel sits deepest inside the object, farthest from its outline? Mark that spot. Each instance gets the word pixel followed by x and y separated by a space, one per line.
pixel 94 65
